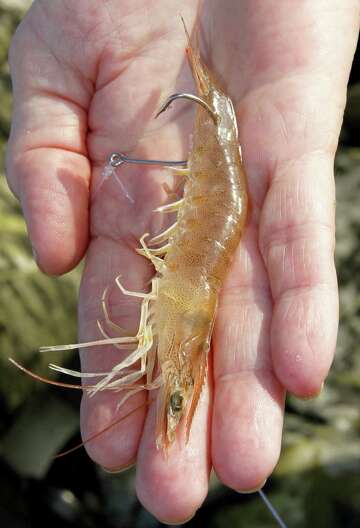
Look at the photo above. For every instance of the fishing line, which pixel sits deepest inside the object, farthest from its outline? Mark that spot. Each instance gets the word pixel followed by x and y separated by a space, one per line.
pixel 272 510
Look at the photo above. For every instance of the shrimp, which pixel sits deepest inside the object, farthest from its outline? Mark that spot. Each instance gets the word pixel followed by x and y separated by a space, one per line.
pixel 209 225
pixel 177 316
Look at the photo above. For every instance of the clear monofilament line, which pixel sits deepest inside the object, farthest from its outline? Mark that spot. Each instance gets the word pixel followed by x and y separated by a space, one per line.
pixel 272 510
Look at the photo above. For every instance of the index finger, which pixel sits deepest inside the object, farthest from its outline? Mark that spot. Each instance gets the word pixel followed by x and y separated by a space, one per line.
pixel 47 164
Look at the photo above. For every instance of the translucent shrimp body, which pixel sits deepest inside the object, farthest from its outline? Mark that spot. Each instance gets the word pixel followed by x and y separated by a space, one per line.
pixel 208 230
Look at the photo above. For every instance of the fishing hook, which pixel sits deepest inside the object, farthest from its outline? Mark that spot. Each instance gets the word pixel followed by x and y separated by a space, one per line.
pixel 191 97
pixel 117 158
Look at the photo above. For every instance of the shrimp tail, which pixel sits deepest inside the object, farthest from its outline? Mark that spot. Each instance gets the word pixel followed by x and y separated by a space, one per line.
pixel 200 73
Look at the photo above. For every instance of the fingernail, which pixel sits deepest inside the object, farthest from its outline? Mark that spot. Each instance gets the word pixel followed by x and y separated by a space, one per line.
pixel 119 469
pixel 312 396
pixel 183 521
pixel 253 490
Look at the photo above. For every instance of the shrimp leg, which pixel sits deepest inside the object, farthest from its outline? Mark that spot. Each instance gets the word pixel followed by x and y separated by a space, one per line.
pixel 171 207
pixel 144 340
pixel 161 237
pixel 159 251
pixel 109 322
pixel 145 343
pixel 130 293
pixel 106 336
pixel 157 262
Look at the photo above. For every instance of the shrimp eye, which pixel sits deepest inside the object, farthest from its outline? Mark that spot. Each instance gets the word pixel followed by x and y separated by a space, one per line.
pixel 176 401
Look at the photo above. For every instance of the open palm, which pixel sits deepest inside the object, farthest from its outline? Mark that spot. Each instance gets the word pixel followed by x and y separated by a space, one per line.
pixel 88 79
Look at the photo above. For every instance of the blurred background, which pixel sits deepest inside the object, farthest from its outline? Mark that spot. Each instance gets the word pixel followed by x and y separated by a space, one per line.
pixel 317 481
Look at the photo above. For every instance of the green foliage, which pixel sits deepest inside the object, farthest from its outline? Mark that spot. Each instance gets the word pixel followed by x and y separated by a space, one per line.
pixel 41 429
pixel 9 19
pixel 35 309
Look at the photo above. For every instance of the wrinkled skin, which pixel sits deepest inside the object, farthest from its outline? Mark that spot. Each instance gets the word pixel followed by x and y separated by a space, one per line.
pixel 88 78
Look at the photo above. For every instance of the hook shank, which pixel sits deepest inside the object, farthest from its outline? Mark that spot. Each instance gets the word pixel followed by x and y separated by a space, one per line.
pixel 117 158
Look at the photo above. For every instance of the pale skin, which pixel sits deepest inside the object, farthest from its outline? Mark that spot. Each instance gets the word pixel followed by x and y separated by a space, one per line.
pixel 88 78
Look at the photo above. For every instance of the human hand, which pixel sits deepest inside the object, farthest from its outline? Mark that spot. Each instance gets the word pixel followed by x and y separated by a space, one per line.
pixel 88 78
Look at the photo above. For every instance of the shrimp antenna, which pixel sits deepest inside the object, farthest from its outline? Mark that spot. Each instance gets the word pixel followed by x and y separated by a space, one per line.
pixel 102 431
pixel 191 97
pixel 48 381
pixel 272 509
pixel 117 158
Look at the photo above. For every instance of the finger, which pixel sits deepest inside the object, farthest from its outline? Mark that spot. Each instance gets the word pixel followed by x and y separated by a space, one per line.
pixel 47 165
pixel 297 242
pixel 121 212
pixel 300 112
pixel 117 447
pixel 248 405
pixel 173 486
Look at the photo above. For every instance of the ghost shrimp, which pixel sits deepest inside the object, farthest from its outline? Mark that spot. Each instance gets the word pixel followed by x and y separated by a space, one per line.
pixel 177 316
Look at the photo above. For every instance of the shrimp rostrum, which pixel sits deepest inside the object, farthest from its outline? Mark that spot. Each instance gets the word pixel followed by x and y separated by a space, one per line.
pixel 177 316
